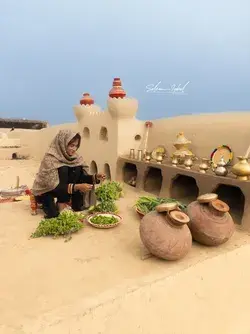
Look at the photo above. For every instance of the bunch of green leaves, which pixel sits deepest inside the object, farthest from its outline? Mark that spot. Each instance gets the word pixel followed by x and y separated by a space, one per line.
pixel 106 194
pixel 65 224
pixel 146 204
pixel 108 206
pixel 109 190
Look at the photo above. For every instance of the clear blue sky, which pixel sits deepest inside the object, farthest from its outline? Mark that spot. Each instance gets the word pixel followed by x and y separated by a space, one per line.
pixel 53 50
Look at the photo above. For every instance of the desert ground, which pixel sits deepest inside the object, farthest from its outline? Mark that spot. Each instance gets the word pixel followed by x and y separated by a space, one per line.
pixel 98 283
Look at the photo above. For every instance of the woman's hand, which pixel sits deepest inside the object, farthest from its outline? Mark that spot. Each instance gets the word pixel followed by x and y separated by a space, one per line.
pixel 100 177
pixel 83 187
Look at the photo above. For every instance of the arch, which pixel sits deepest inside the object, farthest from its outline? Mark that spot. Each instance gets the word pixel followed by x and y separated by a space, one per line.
pixel 93 167
pixel 86 132
pixel 184 188
pixel 103 134
pixel 234 197
pixel 153 181
pixel 137 137
pixel 129 174
pixel 107 171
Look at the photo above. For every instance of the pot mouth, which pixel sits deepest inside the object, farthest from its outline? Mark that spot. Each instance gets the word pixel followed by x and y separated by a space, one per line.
pixel 179 217
pixel 220 206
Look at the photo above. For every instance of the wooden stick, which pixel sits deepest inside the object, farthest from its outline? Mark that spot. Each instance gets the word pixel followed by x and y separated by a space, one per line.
pixel 17 182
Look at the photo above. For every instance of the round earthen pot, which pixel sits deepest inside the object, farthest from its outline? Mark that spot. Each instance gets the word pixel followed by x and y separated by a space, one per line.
pixel 117 91
pixel 166 235
pixel 210 223
pixel 86 99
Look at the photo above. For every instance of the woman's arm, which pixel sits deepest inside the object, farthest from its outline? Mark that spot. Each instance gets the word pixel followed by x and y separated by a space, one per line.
pixel 90 179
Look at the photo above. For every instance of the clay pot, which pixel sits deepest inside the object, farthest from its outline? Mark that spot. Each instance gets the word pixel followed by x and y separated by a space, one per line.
pixel 210 223
pixel 86 99
pixel 117 91
pixel 166 235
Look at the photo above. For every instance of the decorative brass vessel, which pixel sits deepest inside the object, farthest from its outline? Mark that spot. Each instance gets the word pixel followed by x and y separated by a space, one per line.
pixel 159 157
pixel 174 161
pixel 188 162
pixel 147 156
pixel 204 166
pixel 242 168
pixel 221 169
pixel 181 146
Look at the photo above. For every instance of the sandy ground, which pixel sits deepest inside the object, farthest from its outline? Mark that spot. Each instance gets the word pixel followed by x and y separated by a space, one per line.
pixel 97 282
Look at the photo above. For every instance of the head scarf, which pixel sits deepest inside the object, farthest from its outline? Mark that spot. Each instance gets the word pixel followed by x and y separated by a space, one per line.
pixel 47 178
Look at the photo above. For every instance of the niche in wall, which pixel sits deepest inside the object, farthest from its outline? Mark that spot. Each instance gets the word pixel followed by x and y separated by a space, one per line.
pixel 153 181
pixel 103 134
pixel 129 174
pixel 234 197
pixel 86 133
pixel 107 171
pixel 184 188
pixel 137 138
pixel 93 167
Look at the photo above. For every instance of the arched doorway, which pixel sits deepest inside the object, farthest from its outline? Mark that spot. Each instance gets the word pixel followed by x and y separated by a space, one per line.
pixel 93 167
pixel 107 171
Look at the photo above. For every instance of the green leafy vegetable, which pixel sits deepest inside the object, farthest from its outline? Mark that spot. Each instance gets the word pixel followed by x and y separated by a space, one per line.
pixel 65 224
pixel 107 193
pixel 103 220
pixel 146 204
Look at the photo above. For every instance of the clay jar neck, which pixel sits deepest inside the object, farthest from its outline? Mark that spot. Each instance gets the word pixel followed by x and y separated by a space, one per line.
pixel 176 223
pixel 218 208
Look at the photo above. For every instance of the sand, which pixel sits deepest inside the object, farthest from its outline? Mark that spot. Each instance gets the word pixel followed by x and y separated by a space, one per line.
pixel 97 282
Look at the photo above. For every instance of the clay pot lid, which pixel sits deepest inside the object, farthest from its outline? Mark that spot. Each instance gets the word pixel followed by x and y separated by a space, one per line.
pixel 207 198
pixel 181 139
pixel 178 217
pixel 166 207
pixel 220 206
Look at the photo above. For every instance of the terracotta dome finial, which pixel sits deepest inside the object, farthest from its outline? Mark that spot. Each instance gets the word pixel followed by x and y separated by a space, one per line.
pixel 117 91
pixel 86 99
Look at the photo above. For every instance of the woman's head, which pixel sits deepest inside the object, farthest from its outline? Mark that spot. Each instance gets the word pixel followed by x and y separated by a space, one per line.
pixel 73 145
pixel 65 145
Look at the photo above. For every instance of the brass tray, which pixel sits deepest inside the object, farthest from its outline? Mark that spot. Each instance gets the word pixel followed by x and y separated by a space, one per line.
pixel 224 151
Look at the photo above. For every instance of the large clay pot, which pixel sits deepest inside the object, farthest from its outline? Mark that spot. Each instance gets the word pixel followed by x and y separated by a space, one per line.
pixel 164 236
pixel 210 223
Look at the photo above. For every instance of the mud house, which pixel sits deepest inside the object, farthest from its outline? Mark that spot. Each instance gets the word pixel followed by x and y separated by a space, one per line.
pixel 108 135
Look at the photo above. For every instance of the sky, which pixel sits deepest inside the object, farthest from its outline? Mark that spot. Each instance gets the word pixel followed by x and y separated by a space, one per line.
pixel 51 51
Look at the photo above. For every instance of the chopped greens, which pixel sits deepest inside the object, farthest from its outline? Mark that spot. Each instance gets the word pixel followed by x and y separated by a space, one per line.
pixel 103 220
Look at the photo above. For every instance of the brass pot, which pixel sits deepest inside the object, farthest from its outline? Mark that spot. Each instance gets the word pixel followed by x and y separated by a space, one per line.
pixel 174 161
pixel 188 162
pixel 221 169
pixel 159 157
pixel 147 156
pixel 242 169
pixel 204 166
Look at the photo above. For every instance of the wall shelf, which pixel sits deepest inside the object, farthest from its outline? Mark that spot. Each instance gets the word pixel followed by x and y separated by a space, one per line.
pixel 164 180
